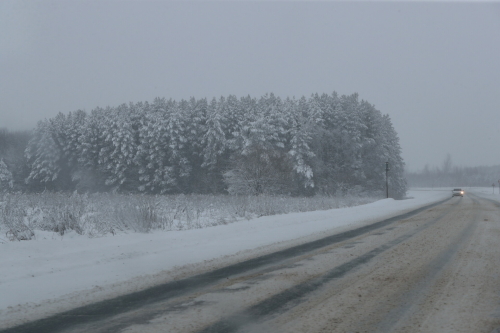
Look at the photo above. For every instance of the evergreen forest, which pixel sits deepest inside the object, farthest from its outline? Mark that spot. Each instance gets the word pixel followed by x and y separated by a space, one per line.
pixel 325 144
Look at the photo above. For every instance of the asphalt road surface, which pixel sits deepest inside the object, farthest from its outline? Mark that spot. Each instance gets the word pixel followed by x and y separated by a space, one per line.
pixel 435 270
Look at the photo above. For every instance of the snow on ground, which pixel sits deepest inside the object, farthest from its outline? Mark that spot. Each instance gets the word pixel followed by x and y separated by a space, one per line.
pixel 485 192
pixel 52 273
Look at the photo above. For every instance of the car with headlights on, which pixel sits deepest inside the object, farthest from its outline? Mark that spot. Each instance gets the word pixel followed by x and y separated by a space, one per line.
pixel 458 192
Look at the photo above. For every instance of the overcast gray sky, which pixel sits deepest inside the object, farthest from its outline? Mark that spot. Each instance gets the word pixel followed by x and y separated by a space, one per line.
pixel 433 67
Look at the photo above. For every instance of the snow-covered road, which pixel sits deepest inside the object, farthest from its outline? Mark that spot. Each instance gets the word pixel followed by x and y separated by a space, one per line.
pixel 52 273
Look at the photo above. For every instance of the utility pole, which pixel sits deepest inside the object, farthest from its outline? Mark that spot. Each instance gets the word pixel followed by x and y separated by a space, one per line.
pixel 387 179
pixel 493 188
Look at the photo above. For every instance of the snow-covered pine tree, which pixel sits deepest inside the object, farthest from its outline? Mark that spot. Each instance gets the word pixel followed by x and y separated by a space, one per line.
pixel 117 154
pixel 6 179
pixel 178 161
pixel 214 142
pixel 12 146
pixel 261 164
pixel 90 176
pixel 373 154
pixel 59 131
pixel 325 146
pixel 397 180
pixel 196 115
pixel 302 121
pixel 151 156
pixel 43 156
pixel 350 130
pixel 68 130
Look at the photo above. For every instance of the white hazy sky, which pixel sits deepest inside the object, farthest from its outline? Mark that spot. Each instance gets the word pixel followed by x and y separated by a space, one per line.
pixel 433 67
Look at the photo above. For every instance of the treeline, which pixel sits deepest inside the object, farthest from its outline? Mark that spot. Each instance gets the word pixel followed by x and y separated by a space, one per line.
pixel 323 144
pixel 454 176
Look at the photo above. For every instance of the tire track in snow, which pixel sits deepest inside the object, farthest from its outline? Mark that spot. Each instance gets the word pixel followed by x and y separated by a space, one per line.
pixel 291 297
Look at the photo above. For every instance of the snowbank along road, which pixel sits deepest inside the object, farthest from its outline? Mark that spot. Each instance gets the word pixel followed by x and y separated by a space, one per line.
pixel 432 270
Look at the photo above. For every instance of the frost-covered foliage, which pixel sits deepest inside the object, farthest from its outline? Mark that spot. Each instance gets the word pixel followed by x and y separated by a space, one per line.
pixel 43 154
pixel 98 214
pixel 324 144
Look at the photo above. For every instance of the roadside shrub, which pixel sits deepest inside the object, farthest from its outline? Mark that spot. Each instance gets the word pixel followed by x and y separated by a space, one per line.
pixel 13 220
pixel 98 214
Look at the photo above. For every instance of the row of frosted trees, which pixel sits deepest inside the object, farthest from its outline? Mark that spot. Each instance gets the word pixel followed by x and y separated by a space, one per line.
pixel 323 144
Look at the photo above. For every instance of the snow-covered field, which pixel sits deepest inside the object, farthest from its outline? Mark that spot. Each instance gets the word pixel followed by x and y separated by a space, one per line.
pixel 485 192
pixel 54 273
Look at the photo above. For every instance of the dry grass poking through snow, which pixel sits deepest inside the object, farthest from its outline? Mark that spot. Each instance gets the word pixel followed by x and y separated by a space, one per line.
pixel 100 214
